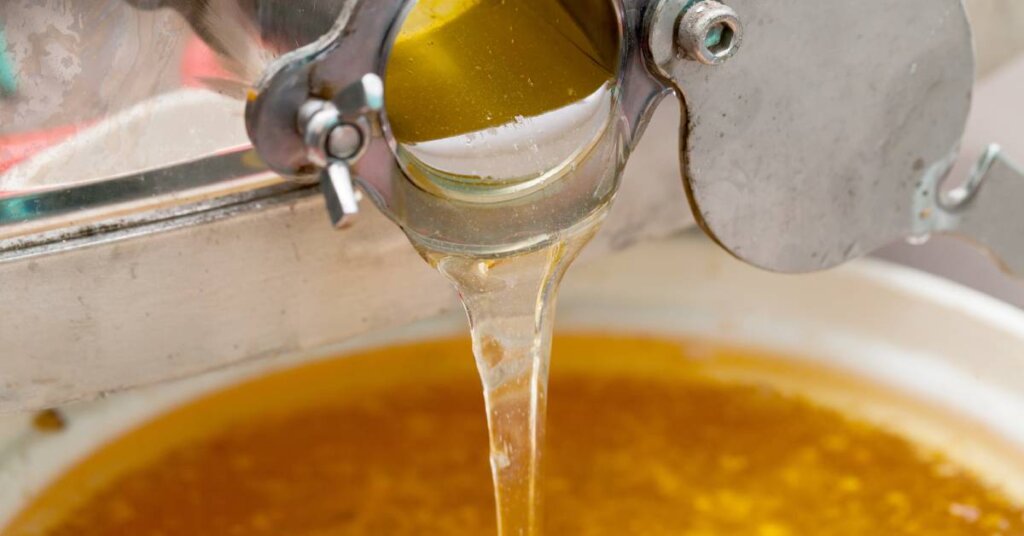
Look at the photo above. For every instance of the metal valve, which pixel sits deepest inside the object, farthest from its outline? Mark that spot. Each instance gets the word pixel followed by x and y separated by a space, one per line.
pixel 829 136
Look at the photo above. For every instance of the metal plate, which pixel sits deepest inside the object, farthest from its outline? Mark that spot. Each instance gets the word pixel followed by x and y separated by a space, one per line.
pixel 815 143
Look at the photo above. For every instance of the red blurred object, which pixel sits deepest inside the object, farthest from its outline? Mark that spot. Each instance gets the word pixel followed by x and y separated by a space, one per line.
pixel 17 147
pixel 198 62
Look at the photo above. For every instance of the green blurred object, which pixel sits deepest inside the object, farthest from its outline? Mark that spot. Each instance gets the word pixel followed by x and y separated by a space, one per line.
pixel 8 83
pixel 714 37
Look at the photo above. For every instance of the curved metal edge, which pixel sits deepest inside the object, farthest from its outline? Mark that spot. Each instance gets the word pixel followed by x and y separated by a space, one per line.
pixel 638 96
pixel 148 195
pixel 642 90
pixel 407 202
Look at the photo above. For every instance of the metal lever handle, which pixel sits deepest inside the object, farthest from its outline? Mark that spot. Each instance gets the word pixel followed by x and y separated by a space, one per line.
pixel 335 133
pixel 340 193
pixel 987 209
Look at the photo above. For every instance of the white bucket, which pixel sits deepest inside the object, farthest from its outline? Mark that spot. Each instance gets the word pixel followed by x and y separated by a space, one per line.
pixel 956 350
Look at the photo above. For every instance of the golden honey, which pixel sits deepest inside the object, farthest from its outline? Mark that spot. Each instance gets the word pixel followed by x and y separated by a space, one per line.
pixel 648 437
pixel 460 66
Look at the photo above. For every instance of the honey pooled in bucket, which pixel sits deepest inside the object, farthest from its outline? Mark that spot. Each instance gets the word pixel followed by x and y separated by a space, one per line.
pixel 645 439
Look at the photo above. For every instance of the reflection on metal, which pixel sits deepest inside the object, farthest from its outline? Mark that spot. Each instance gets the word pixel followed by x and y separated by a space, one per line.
pixel 353 48
pixel 340 193
pixel 137 224
pixel 705 31
pixel 806 150
pixel 345 142
pixel 182 184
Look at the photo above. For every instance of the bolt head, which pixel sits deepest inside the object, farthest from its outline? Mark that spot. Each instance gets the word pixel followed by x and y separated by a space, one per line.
pixel 709 32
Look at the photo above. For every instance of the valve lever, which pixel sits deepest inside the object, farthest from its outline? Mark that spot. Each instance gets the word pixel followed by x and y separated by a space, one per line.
pixel 340 193
pixel 336 133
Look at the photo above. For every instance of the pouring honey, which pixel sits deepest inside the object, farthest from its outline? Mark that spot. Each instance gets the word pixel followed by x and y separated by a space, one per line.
pixel 478 87
pixel 489 101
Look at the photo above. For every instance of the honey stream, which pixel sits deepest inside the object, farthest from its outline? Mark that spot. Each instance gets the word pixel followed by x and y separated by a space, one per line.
pixel 508 94
pixel 511 304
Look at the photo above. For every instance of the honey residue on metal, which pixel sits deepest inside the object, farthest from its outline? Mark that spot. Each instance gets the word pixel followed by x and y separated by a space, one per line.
pixel 643 439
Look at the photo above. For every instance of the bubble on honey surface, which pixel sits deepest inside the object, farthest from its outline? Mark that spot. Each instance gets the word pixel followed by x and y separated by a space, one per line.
pixel 500 460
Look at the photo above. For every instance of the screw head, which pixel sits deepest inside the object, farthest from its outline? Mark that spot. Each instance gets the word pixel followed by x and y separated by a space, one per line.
pixel 709 32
